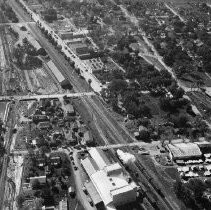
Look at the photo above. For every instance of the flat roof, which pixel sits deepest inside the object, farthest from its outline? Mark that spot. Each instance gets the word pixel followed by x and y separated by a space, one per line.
pixel 99 157
pixel 55 71
pixel 106 185
pixel 89 166
pixel 113 168
pixel 93 192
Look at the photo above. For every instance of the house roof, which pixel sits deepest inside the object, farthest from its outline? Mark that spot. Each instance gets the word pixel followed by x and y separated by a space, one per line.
pixel 41 179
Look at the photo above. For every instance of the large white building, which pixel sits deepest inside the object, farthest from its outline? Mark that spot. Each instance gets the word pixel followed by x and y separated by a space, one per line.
pixel 109 180
pixel 184 151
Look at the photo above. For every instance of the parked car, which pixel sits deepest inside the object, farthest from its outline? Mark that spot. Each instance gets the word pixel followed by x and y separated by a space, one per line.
pixel 85 190
pixel 90 201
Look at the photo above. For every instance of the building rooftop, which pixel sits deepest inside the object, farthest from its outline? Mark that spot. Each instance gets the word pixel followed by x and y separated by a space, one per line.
pixel 89 166
pixel 93 192
pixel 41 179
pixel 184 150
pixel 110 186
pixel 113 169
pixel 63 205
pixel 99 157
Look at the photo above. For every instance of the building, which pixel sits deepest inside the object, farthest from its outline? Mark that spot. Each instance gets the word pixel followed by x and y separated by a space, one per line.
pixel 44 125
pixel 114 189
pixel 63 205
pixel 55 160
pixel 48 208
pixel 55 71
pixel 89 166
pixel 40 118
pixel 108 180
pixel 71 191
pixel 72 35
pixel 41 162
pixel 87 138
pixel 205 147
pixel 70 109
pixel 99 157
pixel 184 151
pixel 41 179
pixel 97 201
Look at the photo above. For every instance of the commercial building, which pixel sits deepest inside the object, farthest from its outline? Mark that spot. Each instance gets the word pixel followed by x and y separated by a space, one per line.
pixel 63 205
pixel 99 157
pixel 41 179
pixel 114 190
pixel 89 166
pixel 97 201
pixel 72 35
pixel 108 181
pixel 55 71
pixel 184 151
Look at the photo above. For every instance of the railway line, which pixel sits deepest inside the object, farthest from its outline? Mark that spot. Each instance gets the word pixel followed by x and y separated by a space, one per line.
pixel 8 138
pixel 149 188
pixel 113 131
pixel 93 104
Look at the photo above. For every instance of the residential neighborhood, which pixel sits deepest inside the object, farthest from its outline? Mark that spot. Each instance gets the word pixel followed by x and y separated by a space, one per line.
pixel 105 104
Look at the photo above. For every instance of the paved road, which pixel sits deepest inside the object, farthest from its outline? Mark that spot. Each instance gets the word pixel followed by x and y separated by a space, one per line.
pixel 175 13
pixel 12 24
pixel 38 97
pixel 115 132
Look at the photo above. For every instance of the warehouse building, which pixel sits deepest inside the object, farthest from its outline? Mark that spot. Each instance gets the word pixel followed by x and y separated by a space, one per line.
pixel 89 166
pixel 97 201
pixel 72 35
pixel 108 181
pixel 65 84
pixel 99 157
pixel 184 151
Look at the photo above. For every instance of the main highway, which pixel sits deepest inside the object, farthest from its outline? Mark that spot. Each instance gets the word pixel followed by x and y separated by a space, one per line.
pixel 109 129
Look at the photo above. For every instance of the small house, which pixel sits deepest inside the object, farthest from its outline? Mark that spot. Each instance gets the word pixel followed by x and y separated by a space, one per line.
pixel 55 160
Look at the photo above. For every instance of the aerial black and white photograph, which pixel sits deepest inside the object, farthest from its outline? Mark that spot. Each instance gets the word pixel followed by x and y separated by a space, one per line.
pixel 105 104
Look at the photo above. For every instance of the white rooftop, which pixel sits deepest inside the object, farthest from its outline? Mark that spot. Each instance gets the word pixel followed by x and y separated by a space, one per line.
pixel 108 187
pixel 184 150
pixel 99 157
pixel 113 168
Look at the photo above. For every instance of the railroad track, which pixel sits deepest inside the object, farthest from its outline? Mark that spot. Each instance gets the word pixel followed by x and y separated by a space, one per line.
pixel 8 139
pixel 105 121
pixel 150 189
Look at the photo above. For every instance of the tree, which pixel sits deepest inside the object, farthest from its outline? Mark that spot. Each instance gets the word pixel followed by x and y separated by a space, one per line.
pixel 20 199
pixel 144 135
pixel 42 52
pixel 184 194
pixel 65 84
pixel 180 121
pixel 36 184
pixel 37 204
pixel 197 186
pixel 2 150
pixel 118 85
